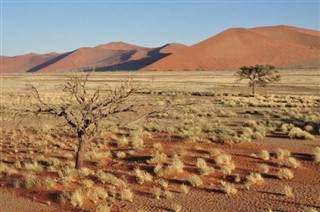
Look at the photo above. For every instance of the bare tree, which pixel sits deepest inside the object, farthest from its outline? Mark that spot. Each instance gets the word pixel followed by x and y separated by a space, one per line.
pixel 84 111
pixel 259 75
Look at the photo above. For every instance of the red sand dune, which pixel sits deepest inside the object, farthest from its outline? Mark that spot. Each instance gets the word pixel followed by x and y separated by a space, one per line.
pixel 106 57
pixel 282 46
pixel 23 63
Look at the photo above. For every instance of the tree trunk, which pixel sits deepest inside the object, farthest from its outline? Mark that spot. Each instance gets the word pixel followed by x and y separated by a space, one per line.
pixel 82 145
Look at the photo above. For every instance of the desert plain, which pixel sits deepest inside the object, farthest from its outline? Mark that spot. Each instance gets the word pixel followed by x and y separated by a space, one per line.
pixel 214 146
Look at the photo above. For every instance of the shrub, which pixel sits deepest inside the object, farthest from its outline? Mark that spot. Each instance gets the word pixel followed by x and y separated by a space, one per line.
pixel 285 173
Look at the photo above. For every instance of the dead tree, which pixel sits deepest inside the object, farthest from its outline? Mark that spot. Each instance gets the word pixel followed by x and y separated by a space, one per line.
pixel 83 111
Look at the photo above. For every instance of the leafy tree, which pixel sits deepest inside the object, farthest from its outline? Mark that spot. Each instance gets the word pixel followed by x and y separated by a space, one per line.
pixel 259 75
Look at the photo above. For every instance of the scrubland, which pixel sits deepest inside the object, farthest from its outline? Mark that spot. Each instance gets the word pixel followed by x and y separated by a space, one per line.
pixel 216 149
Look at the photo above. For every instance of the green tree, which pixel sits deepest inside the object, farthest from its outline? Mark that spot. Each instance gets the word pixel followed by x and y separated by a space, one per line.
pixel 259 75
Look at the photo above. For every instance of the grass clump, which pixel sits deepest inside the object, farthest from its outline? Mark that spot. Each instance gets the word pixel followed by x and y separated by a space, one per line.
pixel 184 189
pixel 103 208
pixel 282 153
pixel 35 166
pixel 215 152
pixel 285 174
pixel 194 180
pixel 156 192
pixel 291 162
pixel 203 167
pixel 287 191
pixel 136 142
pixel 126 195
pixel 142 176
pixel 123 141
pixel 110 179
pixel 77 197
pixel 176 208
pixel 158 158
pixel 96 193
pixel 263 168
pixel 253 179
pixel 264 155
pixel 316 154
pixel 296 132
pixel 228 188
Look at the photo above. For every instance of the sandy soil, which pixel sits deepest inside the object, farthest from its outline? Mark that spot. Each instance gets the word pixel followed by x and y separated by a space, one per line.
pixel 207 197
pixel 12 203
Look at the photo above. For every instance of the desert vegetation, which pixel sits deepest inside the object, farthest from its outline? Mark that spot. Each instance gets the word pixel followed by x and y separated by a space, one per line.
pixel 155 148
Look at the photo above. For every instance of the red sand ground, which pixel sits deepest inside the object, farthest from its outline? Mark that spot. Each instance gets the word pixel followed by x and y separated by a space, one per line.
pixel 282 46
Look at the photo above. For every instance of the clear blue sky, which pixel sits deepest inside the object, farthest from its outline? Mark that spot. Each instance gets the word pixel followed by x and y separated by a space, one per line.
pixel 60 26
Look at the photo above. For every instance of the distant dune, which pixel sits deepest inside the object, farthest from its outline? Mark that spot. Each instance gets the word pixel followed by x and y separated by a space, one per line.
pixel 106 57
pixel 282 46
pixel 22 63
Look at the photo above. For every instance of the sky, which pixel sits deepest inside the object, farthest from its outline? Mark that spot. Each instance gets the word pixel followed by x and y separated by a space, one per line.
pixel 43 26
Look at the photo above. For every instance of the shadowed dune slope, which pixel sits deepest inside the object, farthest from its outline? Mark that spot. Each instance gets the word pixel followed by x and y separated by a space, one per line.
pixel 282 46
pixel 106 57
